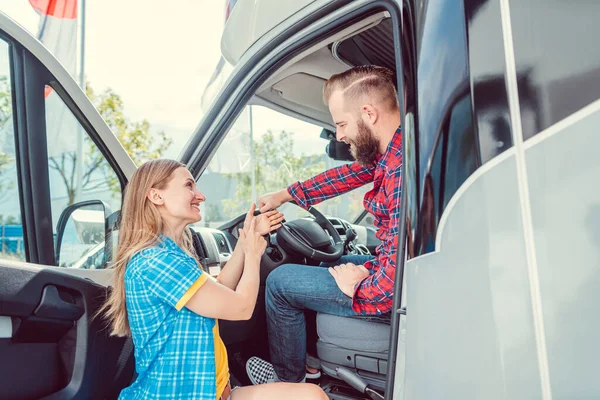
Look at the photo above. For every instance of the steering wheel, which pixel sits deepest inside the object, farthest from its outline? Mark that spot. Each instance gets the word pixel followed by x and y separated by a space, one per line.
pixel 316 239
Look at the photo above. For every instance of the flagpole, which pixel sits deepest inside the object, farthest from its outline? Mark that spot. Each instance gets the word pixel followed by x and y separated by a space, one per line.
pixel 252 157
pixel 79 154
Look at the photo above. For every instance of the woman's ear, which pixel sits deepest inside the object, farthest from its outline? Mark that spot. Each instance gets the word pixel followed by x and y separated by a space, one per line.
pixel 155 197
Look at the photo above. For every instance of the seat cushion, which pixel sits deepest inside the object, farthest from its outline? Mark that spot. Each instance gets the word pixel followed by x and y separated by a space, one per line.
pixel 354 333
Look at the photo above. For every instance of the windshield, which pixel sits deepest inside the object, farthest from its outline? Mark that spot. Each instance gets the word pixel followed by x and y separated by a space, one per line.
pixel 266 151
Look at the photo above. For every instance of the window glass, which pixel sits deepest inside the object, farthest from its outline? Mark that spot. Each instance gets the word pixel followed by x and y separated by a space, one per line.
pixel 281 150
pixel 461 158
pixel 410 185
pixel 446 117
pixel 558 70
pixel 430 206
pixel 78 172
pixel 11 228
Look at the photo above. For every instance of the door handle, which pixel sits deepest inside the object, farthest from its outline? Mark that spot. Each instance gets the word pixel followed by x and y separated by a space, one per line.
pixel 53 306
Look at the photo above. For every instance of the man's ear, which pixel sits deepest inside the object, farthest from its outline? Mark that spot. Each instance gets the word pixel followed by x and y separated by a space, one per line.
pixel 370 114
pixel 155 197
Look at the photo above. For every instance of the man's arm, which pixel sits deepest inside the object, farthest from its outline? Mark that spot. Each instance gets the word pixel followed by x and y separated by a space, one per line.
pixel 331 183
pixel 328 184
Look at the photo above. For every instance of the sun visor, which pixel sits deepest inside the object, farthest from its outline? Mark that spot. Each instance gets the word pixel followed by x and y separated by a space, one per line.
pixel 303 89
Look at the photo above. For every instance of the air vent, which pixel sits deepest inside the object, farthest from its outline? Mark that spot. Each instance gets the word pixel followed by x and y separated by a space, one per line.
pixel 221 242
pixel 338 225
pixel 199 246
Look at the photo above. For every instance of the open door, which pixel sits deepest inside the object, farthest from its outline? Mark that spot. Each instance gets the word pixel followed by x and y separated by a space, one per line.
pixel 61 181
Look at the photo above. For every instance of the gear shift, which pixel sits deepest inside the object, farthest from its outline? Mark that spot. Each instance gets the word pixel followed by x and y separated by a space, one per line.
pixel 350 236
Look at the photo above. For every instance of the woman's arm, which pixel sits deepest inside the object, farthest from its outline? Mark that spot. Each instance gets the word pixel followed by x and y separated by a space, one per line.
pixel 265 223
pixel 215 300
pixel 232 271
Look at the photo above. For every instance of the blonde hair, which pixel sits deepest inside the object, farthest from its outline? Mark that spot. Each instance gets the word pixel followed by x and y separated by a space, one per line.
pixel 140 227
pixel 366 81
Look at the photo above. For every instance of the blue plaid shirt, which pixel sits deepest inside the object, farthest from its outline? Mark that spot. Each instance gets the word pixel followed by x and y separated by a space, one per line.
pixel 174 347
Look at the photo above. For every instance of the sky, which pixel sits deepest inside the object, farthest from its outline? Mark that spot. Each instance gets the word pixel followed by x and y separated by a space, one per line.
pixel 158 59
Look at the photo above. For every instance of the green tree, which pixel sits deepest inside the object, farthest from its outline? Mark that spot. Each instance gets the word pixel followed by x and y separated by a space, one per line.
pixel 276 167
pixel 5 101
pixel 213 213
pixel 134 136
pixel 6 160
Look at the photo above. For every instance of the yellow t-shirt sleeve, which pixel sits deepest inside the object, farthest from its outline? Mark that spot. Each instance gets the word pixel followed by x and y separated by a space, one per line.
pixel 191 291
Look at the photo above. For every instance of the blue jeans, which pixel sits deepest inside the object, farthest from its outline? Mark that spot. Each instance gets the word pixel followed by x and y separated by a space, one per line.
pixel 291 289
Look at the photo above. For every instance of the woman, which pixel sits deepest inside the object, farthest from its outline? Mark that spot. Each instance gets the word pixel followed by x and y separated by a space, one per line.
pixel 168 305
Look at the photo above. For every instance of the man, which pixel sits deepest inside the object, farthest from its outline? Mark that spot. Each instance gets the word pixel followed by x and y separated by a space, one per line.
pixel 364 105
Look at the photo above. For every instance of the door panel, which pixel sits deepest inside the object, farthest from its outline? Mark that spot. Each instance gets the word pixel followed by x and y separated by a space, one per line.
pixel 51 346
pixel 57 348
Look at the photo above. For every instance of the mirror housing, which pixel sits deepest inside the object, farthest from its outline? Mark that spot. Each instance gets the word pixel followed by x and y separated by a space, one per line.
pixel 339 151
pixel 90 226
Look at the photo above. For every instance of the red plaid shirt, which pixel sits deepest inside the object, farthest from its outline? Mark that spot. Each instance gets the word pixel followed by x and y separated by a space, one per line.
pixel 373 295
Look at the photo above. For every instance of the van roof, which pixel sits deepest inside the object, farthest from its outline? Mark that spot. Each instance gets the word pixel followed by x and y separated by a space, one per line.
pixel 252 19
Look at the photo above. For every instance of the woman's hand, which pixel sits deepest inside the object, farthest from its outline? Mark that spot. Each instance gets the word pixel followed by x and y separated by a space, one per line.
pixel 252 242
pixel 249 217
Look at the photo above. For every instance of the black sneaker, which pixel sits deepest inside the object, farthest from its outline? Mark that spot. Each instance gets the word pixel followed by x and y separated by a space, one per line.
pixel 260 371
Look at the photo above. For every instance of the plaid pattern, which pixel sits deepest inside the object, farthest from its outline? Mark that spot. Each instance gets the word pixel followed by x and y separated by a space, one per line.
pixel 374 294
pixel 174 347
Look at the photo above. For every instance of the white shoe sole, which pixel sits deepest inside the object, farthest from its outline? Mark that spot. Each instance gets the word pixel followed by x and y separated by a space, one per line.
pixel 316 375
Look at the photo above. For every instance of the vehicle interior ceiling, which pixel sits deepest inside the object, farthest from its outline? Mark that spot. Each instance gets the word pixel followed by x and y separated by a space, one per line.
pixel 296 88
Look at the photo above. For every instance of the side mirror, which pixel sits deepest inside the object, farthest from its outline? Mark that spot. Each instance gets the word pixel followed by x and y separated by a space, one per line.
pixel 336 150
pixel 339 151
pixel 81 235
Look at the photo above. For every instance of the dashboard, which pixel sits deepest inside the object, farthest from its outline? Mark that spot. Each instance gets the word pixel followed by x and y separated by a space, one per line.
pixel 215 246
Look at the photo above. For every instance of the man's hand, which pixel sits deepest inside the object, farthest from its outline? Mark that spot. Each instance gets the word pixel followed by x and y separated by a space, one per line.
pixel 273 200
pixel 347 276
pixel 268 222
pixel 265 223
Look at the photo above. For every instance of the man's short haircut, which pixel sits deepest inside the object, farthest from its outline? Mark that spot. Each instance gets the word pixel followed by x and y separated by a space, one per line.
pixel 364 84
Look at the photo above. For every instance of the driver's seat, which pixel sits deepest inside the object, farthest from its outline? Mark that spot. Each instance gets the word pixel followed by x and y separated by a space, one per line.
pixel 358 343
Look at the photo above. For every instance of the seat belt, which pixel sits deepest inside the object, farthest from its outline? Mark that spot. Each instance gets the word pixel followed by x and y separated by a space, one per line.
pixel 126 352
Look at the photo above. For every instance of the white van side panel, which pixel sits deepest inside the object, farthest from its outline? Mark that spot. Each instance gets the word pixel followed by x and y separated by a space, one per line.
pixel 470 331
pixel 563 168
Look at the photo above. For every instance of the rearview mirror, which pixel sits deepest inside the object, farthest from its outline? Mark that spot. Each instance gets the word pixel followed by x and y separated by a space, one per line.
pixel 81 234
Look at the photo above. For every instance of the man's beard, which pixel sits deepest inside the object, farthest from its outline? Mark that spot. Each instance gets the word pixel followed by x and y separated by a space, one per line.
pixel 366 146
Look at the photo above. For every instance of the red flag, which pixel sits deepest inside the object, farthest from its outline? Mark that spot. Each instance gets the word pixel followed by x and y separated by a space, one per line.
pixel 63 9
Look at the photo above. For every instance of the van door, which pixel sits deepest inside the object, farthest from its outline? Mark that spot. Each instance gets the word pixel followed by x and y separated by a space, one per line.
pixel 62 172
